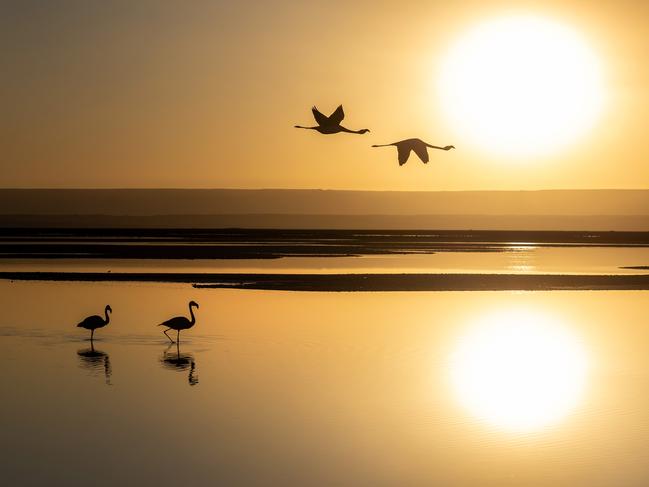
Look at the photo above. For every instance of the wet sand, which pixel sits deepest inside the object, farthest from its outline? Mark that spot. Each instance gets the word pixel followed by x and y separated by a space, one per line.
pixel 359 282
pixel 273 244
pixel 214 245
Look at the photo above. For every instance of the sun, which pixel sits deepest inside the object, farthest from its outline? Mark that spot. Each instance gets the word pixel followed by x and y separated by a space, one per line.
pixel 518 370
pixel 521 86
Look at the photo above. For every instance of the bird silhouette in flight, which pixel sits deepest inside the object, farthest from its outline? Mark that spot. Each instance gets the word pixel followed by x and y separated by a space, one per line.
pixel 180 322
pixel 330 124
pixel 417 145
pixel 93 322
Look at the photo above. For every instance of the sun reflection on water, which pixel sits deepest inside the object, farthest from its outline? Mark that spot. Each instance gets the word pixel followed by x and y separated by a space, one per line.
pixel 521 257
pixel 519 370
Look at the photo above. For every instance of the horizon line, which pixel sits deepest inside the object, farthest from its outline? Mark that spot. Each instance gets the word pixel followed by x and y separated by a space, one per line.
pixel 315 189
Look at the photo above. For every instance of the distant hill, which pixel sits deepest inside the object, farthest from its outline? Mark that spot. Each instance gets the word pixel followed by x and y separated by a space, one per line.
pixel 142 202
pixel 532 210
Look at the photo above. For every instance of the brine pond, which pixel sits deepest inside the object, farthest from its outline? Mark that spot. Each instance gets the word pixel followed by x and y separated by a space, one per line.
pixel 323 388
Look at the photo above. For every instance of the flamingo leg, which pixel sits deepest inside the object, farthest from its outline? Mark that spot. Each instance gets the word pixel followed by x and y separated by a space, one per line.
pixel 178 337
pixel 165 332
pixel 92 334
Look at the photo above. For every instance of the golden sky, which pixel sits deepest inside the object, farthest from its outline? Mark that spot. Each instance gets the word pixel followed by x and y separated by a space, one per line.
pixel 205 94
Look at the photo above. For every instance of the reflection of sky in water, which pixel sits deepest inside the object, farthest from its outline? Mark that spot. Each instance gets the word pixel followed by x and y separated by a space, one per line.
pixel 313 389
pixel 517 258
pixel 522 258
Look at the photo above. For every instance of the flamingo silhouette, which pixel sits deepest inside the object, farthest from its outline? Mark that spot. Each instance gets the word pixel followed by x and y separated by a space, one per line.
pixel 417 145
pixel 330 124
pixel 180 322
pixel 93 322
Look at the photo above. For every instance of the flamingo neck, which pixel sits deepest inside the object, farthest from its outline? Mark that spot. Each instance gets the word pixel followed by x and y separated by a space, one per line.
pixel 191 313
pixel 107 314
pixel 344 129
pixel 308 128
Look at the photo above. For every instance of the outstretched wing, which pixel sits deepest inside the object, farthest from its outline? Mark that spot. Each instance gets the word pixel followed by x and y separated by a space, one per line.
pixel 404 153
pixel 421 151
pixel 319 117
pixel 337 116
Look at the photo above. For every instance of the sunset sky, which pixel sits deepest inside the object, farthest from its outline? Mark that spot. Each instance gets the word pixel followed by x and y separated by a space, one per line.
pixel 205 94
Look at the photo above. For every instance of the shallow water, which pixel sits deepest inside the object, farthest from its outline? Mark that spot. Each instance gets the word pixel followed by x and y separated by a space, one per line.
pixel 508 259
pixel 319 389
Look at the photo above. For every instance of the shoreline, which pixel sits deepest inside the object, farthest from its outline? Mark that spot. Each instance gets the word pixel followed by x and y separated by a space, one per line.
pixel 357 282
pixel 144 244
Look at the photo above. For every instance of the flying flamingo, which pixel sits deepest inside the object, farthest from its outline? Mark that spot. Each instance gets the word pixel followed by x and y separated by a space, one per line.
pixel 93 322
pixel 330 124
pixel 180 322
pixel 419 146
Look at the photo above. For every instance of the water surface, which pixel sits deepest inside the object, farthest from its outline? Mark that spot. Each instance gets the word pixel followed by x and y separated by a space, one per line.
pixel 505 259
pixel 318 389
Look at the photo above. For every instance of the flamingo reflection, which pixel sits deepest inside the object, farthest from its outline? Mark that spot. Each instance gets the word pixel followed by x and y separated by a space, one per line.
pixel 180 362
pixel 94 361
